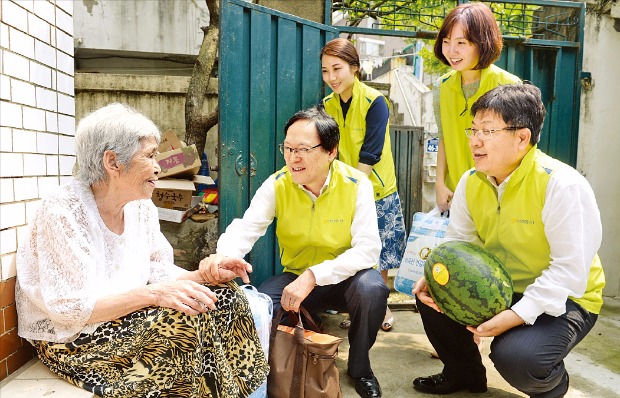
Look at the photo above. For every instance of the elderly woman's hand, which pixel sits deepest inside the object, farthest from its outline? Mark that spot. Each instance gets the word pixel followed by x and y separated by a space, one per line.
pixel 217 269
pixel 186 296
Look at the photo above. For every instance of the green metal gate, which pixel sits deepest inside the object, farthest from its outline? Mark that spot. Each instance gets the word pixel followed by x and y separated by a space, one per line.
pixel 269 69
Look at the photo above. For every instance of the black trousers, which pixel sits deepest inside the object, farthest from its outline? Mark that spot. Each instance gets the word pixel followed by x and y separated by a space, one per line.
pixel 530 358
pixel 363 296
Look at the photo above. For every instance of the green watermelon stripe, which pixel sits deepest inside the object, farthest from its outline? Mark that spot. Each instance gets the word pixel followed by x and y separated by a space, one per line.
pixel 479 287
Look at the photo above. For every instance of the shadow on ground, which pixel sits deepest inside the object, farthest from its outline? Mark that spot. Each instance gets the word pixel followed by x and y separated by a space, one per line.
pixel 403 354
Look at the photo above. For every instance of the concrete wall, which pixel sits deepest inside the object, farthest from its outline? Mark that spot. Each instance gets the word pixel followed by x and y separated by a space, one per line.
pixel 163 26
pixel 599 139
pixel 312 10
pixel 37 126
pixel 161 98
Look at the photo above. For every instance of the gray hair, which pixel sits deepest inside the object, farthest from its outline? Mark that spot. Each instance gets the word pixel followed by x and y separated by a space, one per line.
pixel 115 127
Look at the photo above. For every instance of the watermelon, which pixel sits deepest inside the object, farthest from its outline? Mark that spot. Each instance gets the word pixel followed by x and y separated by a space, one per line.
pixel 468 283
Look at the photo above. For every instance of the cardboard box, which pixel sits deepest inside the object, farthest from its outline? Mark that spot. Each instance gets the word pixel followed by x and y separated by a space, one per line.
pixel 179 162
pixel 196 200
pixel 169 141
pixel 171 215
pixel 198 179
pixel 179 216
pixel 173 194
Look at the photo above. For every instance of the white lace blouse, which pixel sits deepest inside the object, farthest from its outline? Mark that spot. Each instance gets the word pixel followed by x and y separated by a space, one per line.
pixel 69 259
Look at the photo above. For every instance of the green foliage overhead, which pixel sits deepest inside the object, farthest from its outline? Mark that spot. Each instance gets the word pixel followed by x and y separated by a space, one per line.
pixel 432 65
pixel 515 19
pixel 399 15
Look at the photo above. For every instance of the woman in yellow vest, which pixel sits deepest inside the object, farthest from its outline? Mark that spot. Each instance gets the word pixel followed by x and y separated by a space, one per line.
pixel 469 41
pixel 362 116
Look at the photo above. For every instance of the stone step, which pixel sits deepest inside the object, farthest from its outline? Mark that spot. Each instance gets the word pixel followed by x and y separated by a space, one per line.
pixel 35 380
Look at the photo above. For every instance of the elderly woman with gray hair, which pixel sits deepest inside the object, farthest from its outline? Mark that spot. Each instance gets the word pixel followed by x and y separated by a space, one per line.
pixel 98 294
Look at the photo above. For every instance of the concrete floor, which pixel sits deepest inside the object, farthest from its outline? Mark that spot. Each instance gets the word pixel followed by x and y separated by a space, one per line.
pixel 403 354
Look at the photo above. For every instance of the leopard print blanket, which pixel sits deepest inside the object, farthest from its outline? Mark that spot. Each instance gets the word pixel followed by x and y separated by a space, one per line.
pixel 160 352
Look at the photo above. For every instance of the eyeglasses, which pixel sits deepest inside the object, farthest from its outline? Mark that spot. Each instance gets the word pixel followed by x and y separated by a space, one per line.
pixel 301 152
pixel 487 134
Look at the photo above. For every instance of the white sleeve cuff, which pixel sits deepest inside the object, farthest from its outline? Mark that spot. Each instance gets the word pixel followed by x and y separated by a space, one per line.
pixel 528 309
pixel 322 274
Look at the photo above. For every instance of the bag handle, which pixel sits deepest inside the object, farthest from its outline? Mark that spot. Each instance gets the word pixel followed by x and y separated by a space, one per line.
pixel 311 324
pixel 438 213
pixel 278 318
pixel 296 390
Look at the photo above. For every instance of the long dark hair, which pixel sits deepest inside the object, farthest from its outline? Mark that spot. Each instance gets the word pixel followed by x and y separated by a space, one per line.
pixel 345 50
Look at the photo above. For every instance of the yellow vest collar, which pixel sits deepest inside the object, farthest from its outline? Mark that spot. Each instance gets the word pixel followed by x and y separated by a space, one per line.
pixel 524 167
pixel 453 79
pixel 325 184
pixel 519 173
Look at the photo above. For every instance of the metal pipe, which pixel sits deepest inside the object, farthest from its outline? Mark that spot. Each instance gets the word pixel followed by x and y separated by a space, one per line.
pixel 405 98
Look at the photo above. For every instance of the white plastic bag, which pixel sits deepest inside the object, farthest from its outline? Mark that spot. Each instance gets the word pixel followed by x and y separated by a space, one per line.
pixel 262 312
pixel 427 232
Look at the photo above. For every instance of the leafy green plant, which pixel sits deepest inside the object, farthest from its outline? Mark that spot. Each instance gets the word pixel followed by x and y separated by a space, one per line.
pixel 432 65
pixel 515 19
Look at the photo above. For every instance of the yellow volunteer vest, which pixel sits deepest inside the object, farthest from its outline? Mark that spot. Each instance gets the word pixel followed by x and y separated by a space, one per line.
pixel 311 232
pixel 513 229
pixel 353 131
pixel 456 116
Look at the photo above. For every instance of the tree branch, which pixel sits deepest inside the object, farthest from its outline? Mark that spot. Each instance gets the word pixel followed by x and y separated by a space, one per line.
pixel 196 123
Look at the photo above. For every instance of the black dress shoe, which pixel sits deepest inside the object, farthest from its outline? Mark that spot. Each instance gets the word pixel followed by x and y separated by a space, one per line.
pixel 368 387
pixel 439 384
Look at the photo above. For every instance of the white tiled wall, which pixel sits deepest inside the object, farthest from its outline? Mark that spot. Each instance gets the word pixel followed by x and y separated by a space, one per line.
pixel 12 215
pixel 37 112
pixel 24 141
pixel 8 241
pixel 6 190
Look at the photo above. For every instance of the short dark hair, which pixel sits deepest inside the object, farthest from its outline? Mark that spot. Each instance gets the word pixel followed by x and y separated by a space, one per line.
pixel 480 28
pixel 345 50
pixel 326 126
pixel 519 105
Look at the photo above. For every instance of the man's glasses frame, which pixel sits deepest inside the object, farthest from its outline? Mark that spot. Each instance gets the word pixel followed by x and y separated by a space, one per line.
pixel 487 134
pixel 301 152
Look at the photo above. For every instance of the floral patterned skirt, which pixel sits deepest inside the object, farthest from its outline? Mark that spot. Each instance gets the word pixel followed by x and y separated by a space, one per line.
pixel 392 231
pixel 161 352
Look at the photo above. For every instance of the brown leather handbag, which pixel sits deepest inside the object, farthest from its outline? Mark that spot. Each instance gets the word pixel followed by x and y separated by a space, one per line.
pixel 302 362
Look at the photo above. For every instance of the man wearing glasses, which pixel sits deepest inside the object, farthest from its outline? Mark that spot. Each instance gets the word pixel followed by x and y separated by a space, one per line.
pixel 327 234
pixel 540 217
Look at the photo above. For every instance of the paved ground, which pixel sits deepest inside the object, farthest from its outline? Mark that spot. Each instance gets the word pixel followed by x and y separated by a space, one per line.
pixel 403 354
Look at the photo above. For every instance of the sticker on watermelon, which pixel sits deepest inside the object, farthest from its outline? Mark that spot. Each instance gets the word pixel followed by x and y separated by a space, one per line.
pixel 468 283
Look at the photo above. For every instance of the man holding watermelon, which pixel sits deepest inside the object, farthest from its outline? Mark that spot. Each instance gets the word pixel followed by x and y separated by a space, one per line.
pixel 540 218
